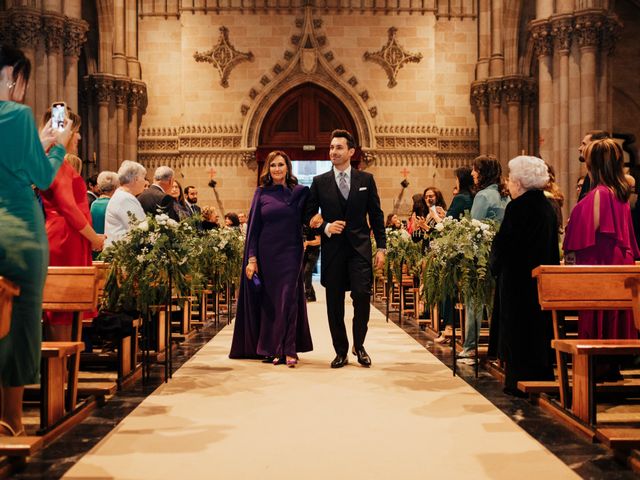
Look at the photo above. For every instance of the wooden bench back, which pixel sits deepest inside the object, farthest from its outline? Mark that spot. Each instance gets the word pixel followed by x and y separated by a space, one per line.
pixel 577 287
pixel 8 290
pixel 70 289
pixel 101 275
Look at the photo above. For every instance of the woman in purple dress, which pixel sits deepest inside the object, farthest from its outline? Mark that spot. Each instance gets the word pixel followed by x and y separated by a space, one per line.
pixel 271 320
pixel 600 232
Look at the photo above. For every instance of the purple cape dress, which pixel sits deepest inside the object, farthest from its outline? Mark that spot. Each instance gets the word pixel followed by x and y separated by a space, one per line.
pixel 614 243
pixel 271 319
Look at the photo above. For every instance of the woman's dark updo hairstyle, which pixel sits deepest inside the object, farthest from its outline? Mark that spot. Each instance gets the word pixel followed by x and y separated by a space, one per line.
pixel 13 57
pixel 465 179
pixel 489 173
pixel 265 176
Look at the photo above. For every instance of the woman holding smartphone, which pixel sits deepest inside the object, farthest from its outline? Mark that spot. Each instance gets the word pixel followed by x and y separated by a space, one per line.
pixel 23 163
pixel 68 223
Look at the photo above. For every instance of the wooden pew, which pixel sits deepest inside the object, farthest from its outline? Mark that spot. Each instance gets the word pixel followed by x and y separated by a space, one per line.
pixel 67 289
pixel 8 291
pixel 571 287
pixel 13 446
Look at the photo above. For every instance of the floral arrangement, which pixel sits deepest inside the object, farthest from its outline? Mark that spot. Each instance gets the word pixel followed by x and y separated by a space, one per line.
pixel 457 262
pixel 16 237
pixel 142 262
pixel 216 257
pixel 402 250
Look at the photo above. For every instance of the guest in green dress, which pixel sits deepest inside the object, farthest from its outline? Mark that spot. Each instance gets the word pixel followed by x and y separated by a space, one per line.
pixel 23 163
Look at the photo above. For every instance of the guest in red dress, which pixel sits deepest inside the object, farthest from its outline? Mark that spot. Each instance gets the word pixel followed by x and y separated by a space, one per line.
pixel 600 232
pixel 68 225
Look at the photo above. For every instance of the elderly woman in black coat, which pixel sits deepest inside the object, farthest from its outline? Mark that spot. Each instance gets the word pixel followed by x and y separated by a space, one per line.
pixel 527 238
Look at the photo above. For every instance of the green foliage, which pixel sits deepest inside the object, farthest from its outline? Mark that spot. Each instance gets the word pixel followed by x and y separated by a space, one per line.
pixel 15 238
pixel 401 249
pixel 159 248
pixel 458 262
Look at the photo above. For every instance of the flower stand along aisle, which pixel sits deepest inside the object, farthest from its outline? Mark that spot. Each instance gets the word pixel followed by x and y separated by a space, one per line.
pixel 158 259
pixel 403 265
pixel 457 267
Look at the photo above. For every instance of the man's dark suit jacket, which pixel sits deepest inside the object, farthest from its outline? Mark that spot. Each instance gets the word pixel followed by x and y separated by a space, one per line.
pixel 363 202
pixel 194 208
pixel 154 198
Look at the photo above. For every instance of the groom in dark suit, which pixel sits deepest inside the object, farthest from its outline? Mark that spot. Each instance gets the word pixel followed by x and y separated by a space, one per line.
pixel 346 198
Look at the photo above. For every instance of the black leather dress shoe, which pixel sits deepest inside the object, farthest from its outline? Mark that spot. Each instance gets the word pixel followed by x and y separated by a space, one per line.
pixel 363 357
pixel 340 361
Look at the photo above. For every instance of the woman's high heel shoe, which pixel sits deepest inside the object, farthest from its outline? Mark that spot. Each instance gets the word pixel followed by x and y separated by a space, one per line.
pixel 292 362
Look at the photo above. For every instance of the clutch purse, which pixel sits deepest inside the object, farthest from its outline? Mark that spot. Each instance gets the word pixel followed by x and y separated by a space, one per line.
pixel 256 284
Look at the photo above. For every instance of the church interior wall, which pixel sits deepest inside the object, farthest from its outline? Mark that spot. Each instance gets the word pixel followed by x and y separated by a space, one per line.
pixel 189 111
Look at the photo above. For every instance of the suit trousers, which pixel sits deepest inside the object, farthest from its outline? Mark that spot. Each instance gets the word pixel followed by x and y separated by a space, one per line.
pixel 350 265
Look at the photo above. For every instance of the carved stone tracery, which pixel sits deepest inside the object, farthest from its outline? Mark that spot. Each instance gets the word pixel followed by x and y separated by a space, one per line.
pixel 75 36
pixel 562 32
pixel 53 29
pixel 224 57
pixel 542 38
pixel 392 57
pixel 25 25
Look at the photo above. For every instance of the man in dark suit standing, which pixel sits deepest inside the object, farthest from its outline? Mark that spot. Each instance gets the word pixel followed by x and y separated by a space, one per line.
pixel 347 198
pixel 191 200
pixel 156 198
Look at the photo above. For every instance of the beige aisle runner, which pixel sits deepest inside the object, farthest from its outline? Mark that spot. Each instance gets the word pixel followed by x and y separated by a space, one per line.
pixel 405 418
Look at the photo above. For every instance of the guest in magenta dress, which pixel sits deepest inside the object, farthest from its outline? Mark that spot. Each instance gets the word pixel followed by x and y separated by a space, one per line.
pixel 68 225
pixel 271 320
pixel 600 232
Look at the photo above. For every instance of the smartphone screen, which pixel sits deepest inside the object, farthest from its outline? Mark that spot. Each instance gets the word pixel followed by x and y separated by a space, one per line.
pixel 58 113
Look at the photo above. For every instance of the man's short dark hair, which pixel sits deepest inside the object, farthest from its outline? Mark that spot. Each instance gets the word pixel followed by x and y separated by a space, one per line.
pixel 92 181
pixel 187 188
pixel 351 143
pixel 598 134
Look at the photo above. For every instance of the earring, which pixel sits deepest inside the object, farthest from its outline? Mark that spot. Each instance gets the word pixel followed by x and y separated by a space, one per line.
pixel 268 177
pixel 10 85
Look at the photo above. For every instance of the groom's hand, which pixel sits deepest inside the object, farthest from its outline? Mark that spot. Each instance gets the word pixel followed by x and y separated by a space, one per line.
pixel 379 259
pixel 336 227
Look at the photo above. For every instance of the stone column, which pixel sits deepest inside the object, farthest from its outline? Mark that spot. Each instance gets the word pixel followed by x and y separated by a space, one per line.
pixel 562 27
pixel 576 169
pixel 119 58
pixel 121 92
pixel 496 64
pixel 103 90
pixel 484 40
pixel 587 26
pixel 480 101
pixel 53 27
pixel 541 34
pixel 23 25
pixel 610 35
pixel 513 93
pixel 75 36
pixel 494 88
pixel 131 46
pixel 137 102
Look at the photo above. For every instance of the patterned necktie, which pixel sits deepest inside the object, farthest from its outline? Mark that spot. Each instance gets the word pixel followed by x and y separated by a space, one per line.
pixel 342 185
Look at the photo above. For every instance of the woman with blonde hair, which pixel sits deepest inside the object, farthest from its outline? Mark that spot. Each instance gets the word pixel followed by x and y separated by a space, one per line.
pixel 68 224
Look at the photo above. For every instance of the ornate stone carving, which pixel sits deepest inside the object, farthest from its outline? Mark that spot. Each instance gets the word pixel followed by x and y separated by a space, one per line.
pixel 494 89
pixel 364 95
pixel 479 94
pixel 392 57
pixel 295 39
pixel 587 27
pixel 244 109
pixel 75 36
pixel 611 32
pixel 288 55
pixel 340 69
pixel 253 93
pixel 53 29
pixel 223 56
pixel 329 56
pixel 137 95
pixel 353 81
pixel 542 38
pixel 121 88
pixel 26 26
pixel 368 157
pixel 277 69
pixel 373 111
pixel 513 89
pixel 102 88
pixel 264 80
pixel 317 23
pixel 562 31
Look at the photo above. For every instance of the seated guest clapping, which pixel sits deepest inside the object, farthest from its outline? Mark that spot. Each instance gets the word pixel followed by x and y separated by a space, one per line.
pixel 116 225
pixel 527 238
